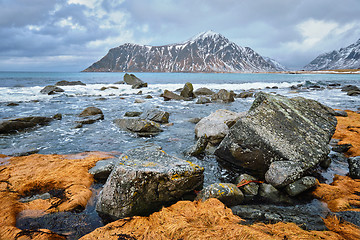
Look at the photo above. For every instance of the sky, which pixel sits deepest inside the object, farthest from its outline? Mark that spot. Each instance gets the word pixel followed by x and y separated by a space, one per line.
pixel 70 35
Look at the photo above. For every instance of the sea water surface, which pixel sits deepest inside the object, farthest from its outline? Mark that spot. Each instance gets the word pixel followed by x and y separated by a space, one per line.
pixel 61 136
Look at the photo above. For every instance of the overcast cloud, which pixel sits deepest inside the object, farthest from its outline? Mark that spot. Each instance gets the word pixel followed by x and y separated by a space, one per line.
pixel 69 35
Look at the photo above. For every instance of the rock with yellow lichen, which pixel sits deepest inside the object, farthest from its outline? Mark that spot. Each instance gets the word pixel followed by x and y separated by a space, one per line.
pixel 227 193
pixel 144 180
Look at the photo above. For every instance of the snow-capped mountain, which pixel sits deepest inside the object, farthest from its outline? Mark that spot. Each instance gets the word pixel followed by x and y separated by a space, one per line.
pixel 345 58
pixel 276 64
pixel 206 52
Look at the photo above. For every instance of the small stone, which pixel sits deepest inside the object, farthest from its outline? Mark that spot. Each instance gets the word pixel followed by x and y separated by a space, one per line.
pixel 300 185
pixel 251 189
pixel 138 100
pixel 270 194
pixel 199 147
pixel 203 100
pixel 57 116
pixel 354 167
pixel 227 193
pixel 341 148
pixel 132 114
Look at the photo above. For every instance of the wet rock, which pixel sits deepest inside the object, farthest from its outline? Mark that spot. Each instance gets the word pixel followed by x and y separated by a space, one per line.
pixel 281 137
pixel 348 88
pixel 138 100
pixel 308 217
pixel 227 193
pixel 57 116
pixel 90 111
pixel 203 91
pixel 199 146
pixel 224 96
pixel 251 189
pixel 90 115
pixel 354 167
pixel 300 185
pixel 245 95
pixel 144 180
pixel 142 127
pixel 341 148
pixel 353 93
pixel 350 216
pixel 194 120
pixel 334 85
pixel 50 90
pixel 102 169
pixel 341 113
pixel 326 163
pixel 12 104
pixel 132 114
pixel 148 97
pixel 139 93
pixel 35 197
pixel 168 95
pixel 216 126
pixel 120 82
pixel 135 82
pixel 203 100
pixel 156 115
pixel 270 194
pixel 187 91
pixel 69 83
pixel 20 124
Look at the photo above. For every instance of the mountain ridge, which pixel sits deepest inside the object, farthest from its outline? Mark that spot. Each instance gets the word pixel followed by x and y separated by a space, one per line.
pixel 205 52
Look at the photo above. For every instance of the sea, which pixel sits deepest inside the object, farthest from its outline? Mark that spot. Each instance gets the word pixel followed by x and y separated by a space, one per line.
pixel 62 136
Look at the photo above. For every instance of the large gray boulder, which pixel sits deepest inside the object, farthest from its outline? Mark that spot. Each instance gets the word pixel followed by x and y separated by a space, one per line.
pixel 134 81
pixel 145 179
pixel 216 126
pixel 281 137
pixel 20 124
pixel 142 127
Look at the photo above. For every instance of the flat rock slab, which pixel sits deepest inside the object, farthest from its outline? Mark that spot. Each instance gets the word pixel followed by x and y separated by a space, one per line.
pixel 19 124
pixel 277 128
pixel 145 179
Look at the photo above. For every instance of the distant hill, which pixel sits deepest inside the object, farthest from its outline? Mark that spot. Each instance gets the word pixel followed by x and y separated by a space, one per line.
pixel 206 52
pixel 344 58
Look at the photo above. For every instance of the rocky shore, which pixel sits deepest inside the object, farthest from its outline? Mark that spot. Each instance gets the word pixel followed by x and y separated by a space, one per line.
pixel 281 151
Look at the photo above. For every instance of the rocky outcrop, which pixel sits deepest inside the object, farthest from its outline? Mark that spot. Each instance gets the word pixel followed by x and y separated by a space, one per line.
pixel 70 83
pixel 141 127
pixel 20 124
pixel 144 180
pixel 281 137
pixel 50 90
pixel 227 193
pixel 134 81
pixel 216 126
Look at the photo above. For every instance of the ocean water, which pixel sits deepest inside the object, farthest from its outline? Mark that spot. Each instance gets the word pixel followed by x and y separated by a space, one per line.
pixel 61 136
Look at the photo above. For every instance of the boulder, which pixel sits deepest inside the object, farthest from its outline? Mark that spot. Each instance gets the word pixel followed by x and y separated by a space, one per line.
pixel 50 90
pixel 144 180
pixel 102 169
pixel 251 189
pixel 348 88
pixel 69 83
pixel 187 91
pixel 89 115
pixel 19 151
pixel 272 195
pixel 203 91
pixel 300 185
pixel 156 115
pixel 245 95
pixel 216 126
pixel 224 96
pixel 354 167
pixel 227 193
pixel 168 95
pixel 90 111
pixel 142 127
pixel 281 137
pixel 135 82
pixel 203 100
pixel 19 124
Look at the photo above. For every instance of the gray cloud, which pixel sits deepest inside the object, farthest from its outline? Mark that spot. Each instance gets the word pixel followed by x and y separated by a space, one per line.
pixel 55 33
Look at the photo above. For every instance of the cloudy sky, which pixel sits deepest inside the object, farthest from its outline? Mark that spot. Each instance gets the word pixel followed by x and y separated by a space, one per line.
pixel 69 35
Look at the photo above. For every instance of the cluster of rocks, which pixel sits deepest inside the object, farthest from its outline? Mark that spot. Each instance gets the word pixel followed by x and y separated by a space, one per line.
pixel 279 140
pixel 351 90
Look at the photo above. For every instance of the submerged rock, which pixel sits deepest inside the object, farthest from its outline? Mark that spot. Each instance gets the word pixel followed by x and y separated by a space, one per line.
pixel 20 124
pixel 144 180
pixel 216 126
pixel 142 127
pixel 281 137
pixel 227 193
pixel 50 90
pixel 134 81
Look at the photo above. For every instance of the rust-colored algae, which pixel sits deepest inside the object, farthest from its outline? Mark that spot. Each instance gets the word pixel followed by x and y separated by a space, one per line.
pixel 34 174
pixel 341 195
pixel 348 132
pixel 210 220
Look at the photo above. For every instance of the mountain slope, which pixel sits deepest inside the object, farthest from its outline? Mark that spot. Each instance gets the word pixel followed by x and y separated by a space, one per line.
pixel 344 58
pixel 206 52
pixel 278 66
